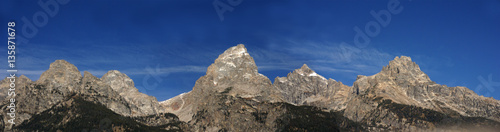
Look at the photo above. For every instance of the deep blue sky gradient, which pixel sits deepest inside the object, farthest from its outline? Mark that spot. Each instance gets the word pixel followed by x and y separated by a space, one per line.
pixel 455 42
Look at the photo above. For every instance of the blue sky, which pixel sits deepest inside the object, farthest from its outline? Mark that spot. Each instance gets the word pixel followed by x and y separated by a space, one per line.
pixel 455 42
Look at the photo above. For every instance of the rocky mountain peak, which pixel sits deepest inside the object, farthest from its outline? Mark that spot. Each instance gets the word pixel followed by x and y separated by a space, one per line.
pixel 233 73
pixel 404 63
pixel 237 51
pixel 305 87
pixel 404 67
pixel 233 96
pixel 118 81
pixel 234 64
pixel 88 77
pixel 143 104
pixel 61 74
pixel 23 79
pixel 401 80
pixel 306 71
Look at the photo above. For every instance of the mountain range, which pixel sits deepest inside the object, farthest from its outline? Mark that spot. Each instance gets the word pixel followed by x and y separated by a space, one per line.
pixel 234 96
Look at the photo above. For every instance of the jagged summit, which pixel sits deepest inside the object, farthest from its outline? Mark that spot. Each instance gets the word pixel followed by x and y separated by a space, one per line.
pixel 304 66
pixel 88 77
pixel 234 64
pixel 21 81
pixel 233 73
pixel 402 82
pixel 115 91
pixel 401 63
pixel 233 52
pixel 403 67
pixel 306 71
pixel 121 83
pixel 118 81
pixel 23 77
pixel 60 72
pixel 305 87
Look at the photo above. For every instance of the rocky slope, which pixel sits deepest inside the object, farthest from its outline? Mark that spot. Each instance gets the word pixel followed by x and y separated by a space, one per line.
pixel 76 113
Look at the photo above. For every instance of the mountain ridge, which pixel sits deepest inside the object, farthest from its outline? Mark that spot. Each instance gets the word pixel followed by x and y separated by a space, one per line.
pixel 401 81
pixel 234 96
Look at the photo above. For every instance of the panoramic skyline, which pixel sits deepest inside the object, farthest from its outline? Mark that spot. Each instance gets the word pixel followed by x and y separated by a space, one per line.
pixel 165 46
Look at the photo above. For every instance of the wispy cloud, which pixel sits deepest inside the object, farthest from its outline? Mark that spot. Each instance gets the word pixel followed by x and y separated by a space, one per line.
pixel 321 56
pixel 160 71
